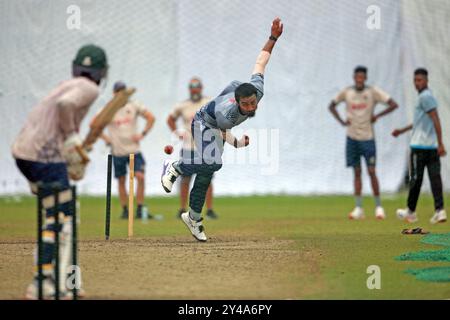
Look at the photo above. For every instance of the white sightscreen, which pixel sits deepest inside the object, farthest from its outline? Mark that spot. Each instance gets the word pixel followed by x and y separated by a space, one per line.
pixel 156 46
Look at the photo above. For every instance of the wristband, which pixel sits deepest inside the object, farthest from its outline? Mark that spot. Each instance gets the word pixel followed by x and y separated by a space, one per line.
pixel 273 38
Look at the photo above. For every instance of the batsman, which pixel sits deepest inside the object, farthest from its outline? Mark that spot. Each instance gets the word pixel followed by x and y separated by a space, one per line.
pixel 210 129
pixel 49 150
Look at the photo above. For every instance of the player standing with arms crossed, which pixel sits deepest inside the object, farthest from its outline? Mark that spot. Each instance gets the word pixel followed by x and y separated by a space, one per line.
pixel 124 139
pixel 50 130
pixel 211 128
pixel 426 148
pixel 186 110
pixel 360 102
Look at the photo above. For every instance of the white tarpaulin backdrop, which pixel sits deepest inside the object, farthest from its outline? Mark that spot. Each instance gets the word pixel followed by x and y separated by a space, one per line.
pixel 156 46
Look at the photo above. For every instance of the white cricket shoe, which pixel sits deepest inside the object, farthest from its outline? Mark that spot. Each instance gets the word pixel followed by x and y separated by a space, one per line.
pixel 356 214
pixel 407 215
pixel 196 227
pixel 169 175
pixel 379 213
pixel 48 290
pixel 439 217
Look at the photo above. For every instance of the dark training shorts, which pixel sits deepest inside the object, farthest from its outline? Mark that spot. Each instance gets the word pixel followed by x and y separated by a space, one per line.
pixel 121 164
pixel 356 149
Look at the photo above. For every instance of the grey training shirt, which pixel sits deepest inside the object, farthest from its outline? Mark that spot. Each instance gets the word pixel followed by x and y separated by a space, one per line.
pixel 223 112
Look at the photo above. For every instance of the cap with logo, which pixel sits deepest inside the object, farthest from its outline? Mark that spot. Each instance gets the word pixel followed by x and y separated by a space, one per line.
pixel 91 62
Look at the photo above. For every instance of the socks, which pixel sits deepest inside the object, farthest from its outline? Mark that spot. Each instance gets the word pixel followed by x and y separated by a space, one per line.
pixel 176 165
pixel 194 215
pixel 358 201
pixel 377 201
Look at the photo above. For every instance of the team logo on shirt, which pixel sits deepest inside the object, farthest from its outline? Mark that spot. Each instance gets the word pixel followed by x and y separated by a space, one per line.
pixel 358 106
pixel 49 151
pixel 122 121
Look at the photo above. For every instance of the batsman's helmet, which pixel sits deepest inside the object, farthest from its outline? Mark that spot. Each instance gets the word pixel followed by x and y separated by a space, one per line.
pixel 90 62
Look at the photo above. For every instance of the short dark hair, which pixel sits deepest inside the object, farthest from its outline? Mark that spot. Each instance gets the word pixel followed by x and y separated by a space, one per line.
pixel 360 69
pixel 421 71
pixel 244 90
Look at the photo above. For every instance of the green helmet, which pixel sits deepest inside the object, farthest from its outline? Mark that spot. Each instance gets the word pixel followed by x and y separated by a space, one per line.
pixel 91 62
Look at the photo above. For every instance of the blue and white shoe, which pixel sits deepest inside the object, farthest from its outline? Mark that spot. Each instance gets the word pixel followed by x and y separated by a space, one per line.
pixel 169 175
pixel 196 227
pixel 439 217
pixel 407 215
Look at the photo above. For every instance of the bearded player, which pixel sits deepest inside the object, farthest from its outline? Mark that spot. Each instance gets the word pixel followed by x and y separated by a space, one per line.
pixel 211 128
pixel 186 110
pixel 50 130
pixel 361 100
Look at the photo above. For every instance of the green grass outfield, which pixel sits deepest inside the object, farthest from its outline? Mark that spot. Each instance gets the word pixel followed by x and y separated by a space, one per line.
pixel 317 224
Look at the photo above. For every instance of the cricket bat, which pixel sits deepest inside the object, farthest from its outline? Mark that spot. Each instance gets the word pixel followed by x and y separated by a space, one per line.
pixel 105 116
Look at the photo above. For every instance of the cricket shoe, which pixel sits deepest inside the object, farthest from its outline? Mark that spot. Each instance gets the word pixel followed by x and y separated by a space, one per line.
pixel 169 175
pixel 196 227
pixel 48 290
pixel 439 217
pixel 407 215
pixel 356 214
pixel 379 213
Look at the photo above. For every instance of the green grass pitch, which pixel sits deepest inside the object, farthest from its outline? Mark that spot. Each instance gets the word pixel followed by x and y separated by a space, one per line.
pixel 299 248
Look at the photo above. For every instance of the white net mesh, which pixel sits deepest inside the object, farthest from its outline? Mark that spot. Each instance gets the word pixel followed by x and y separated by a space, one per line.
pixel 157 46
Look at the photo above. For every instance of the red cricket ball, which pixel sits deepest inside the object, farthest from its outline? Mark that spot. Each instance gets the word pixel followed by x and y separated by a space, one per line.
pixel 168 149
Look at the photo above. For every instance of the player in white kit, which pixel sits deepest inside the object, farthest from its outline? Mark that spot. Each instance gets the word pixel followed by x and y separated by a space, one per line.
pixel 360 101
pixel 124 139
pixel 51 128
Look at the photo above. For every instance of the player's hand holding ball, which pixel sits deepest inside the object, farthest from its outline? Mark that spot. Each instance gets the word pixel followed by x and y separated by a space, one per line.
pixel 245 141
